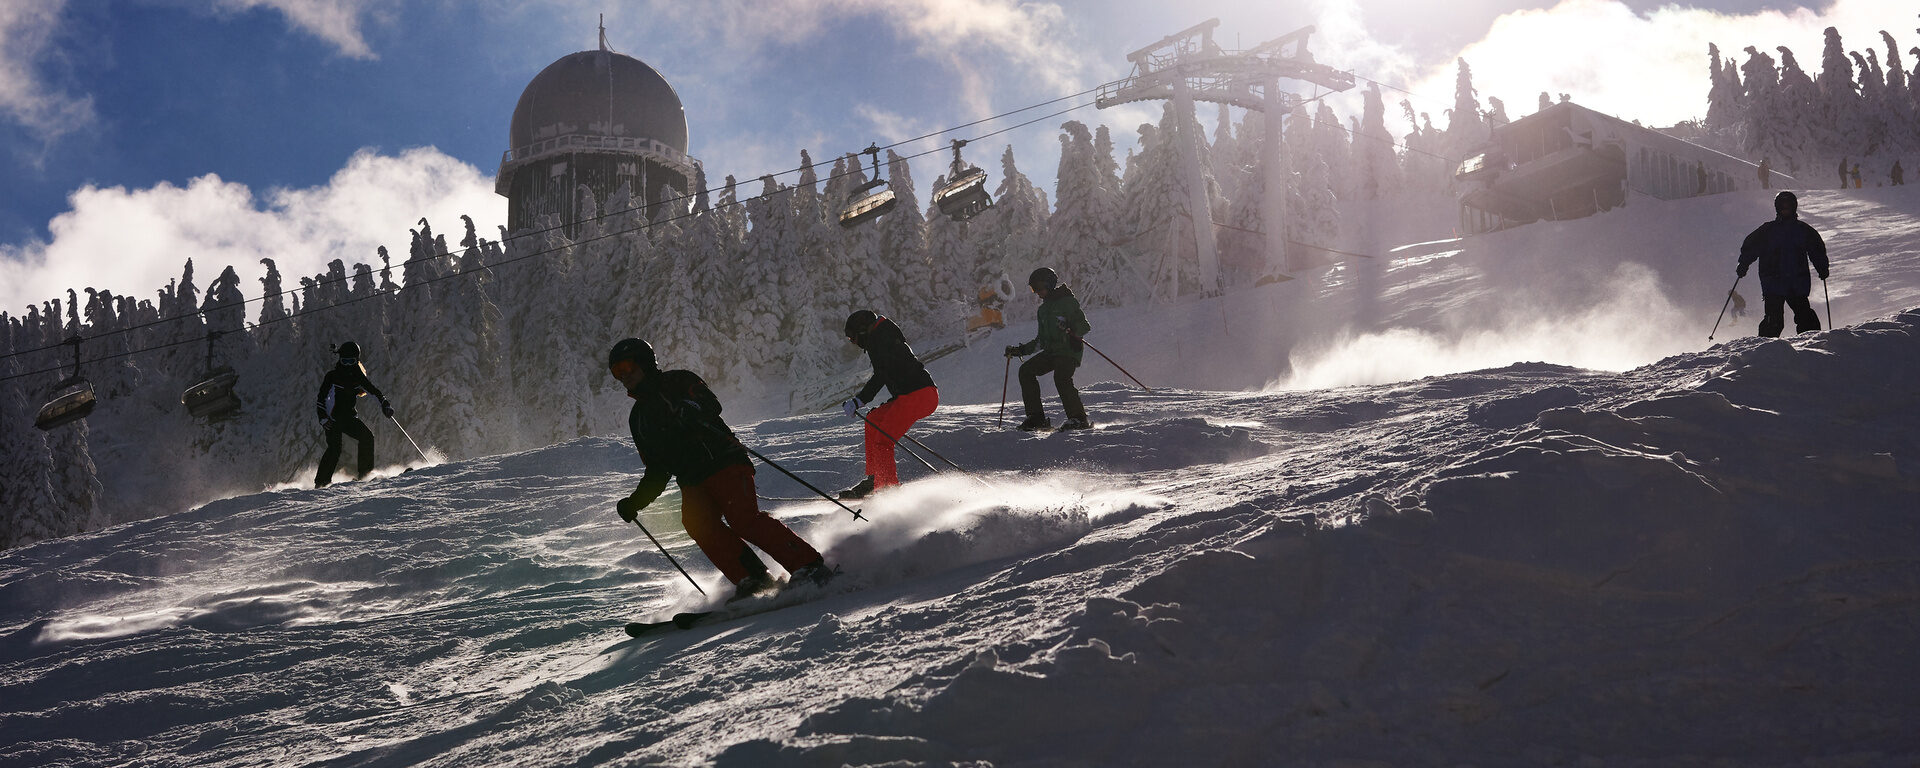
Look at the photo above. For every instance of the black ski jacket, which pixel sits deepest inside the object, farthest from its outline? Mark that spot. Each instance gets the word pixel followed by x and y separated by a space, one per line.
pixel 677 429
pixel 1783 247
pixel 894 365
pixel 340 388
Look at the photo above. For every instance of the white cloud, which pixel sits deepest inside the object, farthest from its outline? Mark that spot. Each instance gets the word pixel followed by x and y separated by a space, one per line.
pixel 26 35
pixel 133 241
pixel 1649 67
pixel 1030 36
pixel 335 21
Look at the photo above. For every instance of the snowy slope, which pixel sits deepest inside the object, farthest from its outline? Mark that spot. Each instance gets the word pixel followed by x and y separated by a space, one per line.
pixel 1611 292
pixel 1708 556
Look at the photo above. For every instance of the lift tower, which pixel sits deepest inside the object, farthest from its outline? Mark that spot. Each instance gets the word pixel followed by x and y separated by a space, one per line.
pixel 1186 67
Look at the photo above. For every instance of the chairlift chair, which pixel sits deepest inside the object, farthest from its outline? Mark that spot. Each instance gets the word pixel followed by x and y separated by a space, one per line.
pixel 75 404
pixel 964 195
pixel 212 398
pixel 868 204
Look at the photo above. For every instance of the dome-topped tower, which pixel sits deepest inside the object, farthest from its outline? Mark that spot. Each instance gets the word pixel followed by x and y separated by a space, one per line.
pixel 599 120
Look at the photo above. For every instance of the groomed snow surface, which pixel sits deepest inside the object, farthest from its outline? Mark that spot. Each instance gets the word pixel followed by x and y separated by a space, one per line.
pixel 1708 559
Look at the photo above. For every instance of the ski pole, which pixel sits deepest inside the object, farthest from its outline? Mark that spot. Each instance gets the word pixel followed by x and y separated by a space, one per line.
pixel 1829 300
pixel 1103 356
pixel 663 550
pixel 1002 421
pixel 769 462
pixel 1723 307
pixel 923 446
pixel 896 442
pixel 416 446
pixel 936 454
pixel 797 479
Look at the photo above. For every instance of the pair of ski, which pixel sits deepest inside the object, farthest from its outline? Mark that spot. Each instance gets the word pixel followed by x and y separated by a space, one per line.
pixel 787 593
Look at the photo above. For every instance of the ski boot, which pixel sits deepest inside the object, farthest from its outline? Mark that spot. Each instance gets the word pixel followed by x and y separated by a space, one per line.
pixel 753 585
pixel 1075 423
pixel 859 490
pixel 819 573
pixel 1035 424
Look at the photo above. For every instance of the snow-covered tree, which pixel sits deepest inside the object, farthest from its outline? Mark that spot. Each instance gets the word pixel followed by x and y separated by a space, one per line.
pixel 1466 129
pixel 1836 112
pixel 1378 168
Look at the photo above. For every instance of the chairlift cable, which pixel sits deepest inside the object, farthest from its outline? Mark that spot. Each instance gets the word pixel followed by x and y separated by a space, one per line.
pixel 573 243
pixel 284 292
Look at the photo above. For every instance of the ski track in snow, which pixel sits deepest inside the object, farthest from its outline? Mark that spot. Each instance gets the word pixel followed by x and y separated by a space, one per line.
pixel 1710 558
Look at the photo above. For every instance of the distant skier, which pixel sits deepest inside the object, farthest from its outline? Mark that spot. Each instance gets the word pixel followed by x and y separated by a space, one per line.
pixel 1856 175
pixel 1897 175
pixel 343 385
pixel 1700 171
pixel 1784 247
pixel 1843 173
pixel 1766 176
pixel 911 396
pixel 1061 326
pixel 677 428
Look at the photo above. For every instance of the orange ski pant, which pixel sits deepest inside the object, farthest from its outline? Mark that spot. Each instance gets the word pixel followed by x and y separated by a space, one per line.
pixel 894 417
pixel 723 516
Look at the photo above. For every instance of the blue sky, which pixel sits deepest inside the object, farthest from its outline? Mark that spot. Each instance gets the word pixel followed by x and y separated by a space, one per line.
pixel 140 132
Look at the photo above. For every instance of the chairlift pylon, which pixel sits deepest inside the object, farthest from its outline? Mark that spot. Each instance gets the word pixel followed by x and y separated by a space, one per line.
pixel 964 195
pixel 868 204
pixel 77 401
pixel 212 397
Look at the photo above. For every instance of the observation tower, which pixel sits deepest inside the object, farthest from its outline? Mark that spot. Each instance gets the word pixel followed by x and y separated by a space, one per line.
pixel 594 121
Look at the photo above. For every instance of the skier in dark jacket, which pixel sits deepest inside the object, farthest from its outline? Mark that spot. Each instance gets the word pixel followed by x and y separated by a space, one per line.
pixel 1784 247
pixel 1061 326
pixel 677 429
pixel 911 396
pixel 343 385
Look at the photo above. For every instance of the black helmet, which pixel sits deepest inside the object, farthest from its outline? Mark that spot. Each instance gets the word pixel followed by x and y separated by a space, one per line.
pixel 348 350
pixel 1785 201
pixel 860 322
pixel 632 349
pixel 1043 279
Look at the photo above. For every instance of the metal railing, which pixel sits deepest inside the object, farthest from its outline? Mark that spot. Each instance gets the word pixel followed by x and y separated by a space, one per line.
pixel 579 141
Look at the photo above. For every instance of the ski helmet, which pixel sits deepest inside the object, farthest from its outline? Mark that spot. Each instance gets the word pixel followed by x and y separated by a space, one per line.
pixel 348 350
pixel 632 349
pixel 1785 201
pixel 1043 279
pixel 860 322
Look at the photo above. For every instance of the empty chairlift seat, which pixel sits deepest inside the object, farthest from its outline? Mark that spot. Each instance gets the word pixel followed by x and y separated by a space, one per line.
pixel 872 199
pixel 212 397
pixel 73 397
pixel 964 195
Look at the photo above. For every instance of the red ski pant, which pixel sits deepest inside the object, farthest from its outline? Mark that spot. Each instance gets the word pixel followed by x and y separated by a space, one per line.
pixel 723 516
pixel 894 417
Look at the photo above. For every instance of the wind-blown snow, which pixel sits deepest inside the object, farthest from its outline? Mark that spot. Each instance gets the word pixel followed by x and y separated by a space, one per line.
pixel 1708 558
pixel 1289 552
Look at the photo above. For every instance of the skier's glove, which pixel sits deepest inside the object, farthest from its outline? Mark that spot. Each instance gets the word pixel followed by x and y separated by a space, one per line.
pixel 1013 351
pixel 1740 271
pixel 629 507
pixel 1823 273
pixel 386 410
pixel 851 407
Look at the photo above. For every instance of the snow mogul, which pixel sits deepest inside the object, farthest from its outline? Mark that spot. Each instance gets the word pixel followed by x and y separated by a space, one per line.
pixel 1059 346
pixel 339 389
pixel 1784 247
pixel 677 429
pixel 911 396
